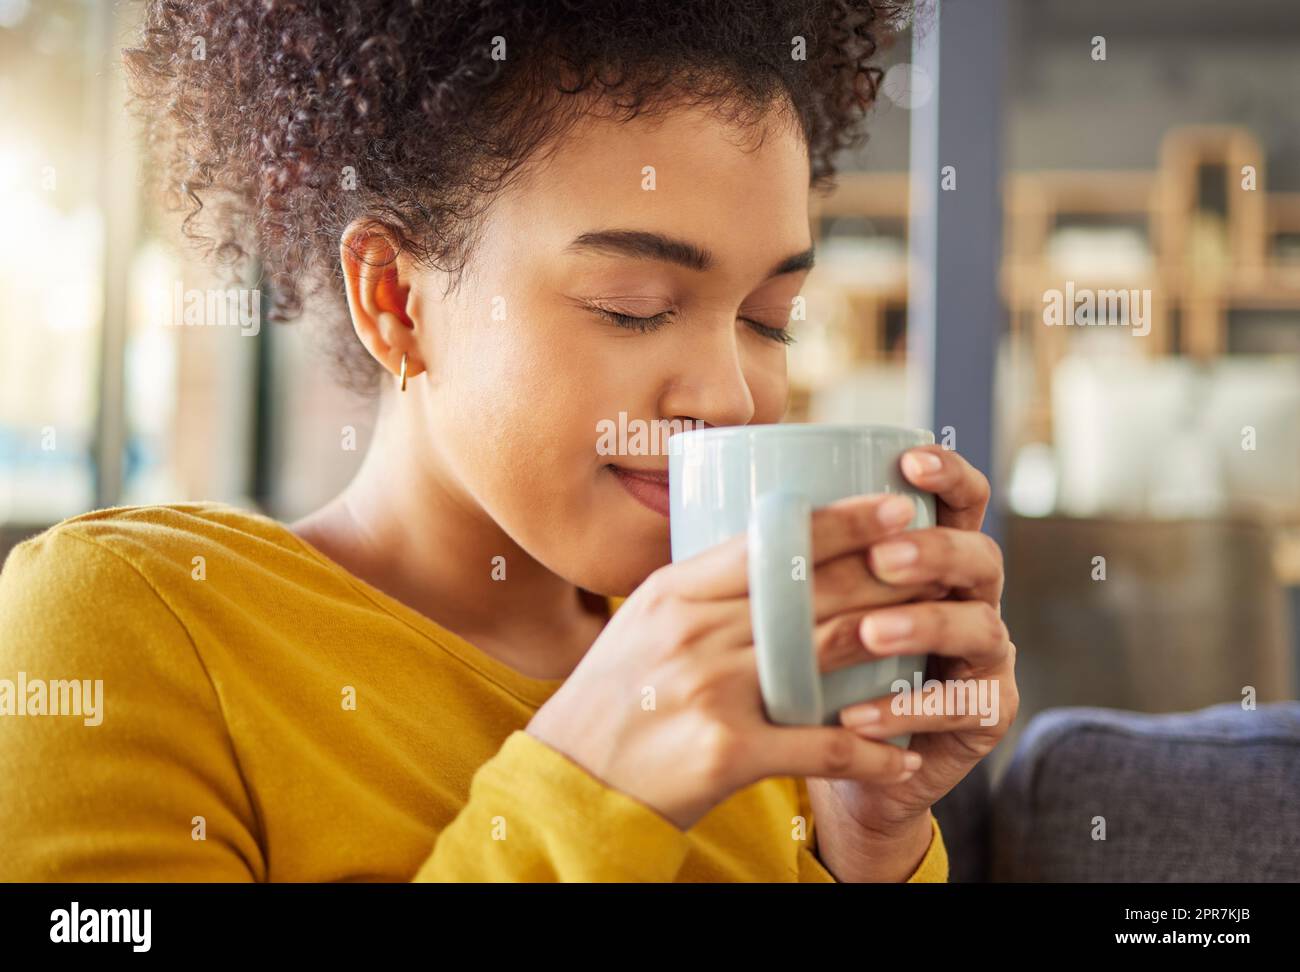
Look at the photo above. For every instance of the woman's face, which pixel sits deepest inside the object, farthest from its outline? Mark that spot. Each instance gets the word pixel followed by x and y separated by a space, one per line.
pixel 678 219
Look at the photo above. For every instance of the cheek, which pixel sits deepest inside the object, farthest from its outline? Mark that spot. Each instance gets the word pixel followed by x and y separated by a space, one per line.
pixel 769 385
pixel 521 404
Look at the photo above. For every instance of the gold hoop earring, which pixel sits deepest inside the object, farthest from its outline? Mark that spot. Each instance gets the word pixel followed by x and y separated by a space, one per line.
pixel 403 384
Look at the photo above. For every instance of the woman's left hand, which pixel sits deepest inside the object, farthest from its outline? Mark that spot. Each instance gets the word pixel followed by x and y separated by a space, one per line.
pixel 873 832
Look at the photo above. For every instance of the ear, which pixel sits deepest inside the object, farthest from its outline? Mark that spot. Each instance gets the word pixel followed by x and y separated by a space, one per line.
pixel 378 291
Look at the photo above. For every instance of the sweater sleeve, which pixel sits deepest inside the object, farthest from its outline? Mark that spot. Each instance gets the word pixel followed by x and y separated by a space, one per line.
pixel 534 815
pixel 139 780
pixel 933 868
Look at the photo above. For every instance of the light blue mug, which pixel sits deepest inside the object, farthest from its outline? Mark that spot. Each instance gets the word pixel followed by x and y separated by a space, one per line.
pixel 766 480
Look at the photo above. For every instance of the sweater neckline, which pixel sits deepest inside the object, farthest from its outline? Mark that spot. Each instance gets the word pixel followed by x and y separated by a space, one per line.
pixel 534 691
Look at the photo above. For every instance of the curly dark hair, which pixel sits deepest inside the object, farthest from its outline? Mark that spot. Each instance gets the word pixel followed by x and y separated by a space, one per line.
pixel 295 117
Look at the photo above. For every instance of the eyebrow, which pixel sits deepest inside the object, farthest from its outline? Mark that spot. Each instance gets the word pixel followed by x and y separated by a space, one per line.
pixel 655 246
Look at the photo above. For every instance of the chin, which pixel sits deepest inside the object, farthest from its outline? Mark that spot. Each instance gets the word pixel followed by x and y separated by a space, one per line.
pixel 621 567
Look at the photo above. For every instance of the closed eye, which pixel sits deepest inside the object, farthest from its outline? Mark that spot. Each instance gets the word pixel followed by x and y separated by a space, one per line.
pixel 646 324
pixel 779 334
pixel 642 324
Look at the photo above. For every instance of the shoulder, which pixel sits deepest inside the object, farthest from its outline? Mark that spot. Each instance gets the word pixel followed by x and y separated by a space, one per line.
pixel 117 730
pixel 117 565
pixel 141 530
pixel 109 596
pixel 149 540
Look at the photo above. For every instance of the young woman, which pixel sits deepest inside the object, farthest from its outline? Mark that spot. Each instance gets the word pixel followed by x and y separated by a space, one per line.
pixel 532 216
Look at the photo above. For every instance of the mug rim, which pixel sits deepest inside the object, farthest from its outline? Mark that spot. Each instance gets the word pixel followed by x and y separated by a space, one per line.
pixel 805 428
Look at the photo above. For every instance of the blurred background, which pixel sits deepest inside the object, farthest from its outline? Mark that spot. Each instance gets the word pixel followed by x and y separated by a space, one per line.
pixel 1146 486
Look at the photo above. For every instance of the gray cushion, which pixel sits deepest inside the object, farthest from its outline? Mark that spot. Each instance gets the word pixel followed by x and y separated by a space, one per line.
pixel 1212 795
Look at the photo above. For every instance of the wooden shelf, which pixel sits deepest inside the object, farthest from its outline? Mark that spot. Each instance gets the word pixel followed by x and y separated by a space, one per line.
pixel 1204 262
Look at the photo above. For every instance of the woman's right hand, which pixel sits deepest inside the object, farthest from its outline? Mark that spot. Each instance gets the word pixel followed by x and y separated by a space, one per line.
pixel 666 705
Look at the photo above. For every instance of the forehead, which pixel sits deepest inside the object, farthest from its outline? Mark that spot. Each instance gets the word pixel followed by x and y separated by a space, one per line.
pixel 741 191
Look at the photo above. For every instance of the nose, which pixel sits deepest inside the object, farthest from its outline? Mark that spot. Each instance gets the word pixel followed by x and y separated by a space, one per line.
pixel 708 384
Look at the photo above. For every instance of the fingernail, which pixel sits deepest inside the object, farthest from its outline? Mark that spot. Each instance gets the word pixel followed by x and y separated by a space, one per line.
pixel 887 626
pixel 896 553
pixel 862 716
pixel 895 511
pixel 912 761
pixel 922 463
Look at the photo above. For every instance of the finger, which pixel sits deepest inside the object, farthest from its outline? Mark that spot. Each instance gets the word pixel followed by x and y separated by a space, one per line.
pixel 962 491
pixel 971 630
pixel 963 559
pixel 838 641
pixel 877 718
pixel 847 584
pixel 850 524
pixel 839 605
pixel 831 752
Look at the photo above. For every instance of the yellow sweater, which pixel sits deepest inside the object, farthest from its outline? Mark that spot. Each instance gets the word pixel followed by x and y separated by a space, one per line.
pixel 251 711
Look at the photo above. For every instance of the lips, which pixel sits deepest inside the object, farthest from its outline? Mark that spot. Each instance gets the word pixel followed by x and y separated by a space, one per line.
pixel 648 487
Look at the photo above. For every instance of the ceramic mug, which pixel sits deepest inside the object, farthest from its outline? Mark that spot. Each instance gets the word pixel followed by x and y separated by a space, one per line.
pixel 765 480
